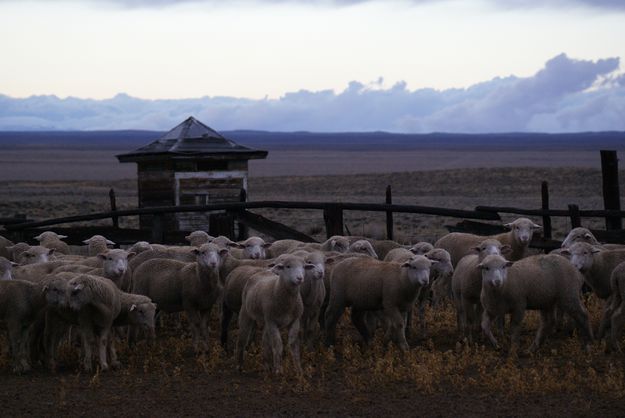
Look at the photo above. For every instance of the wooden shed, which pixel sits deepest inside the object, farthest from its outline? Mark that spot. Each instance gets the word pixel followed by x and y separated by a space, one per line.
pixel 190 165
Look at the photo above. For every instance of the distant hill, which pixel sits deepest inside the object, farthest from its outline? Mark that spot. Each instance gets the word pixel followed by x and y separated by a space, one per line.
pixel 131 139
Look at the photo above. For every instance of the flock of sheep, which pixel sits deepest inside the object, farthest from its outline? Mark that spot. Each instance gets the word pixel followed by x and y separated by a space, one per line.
pixel 300 288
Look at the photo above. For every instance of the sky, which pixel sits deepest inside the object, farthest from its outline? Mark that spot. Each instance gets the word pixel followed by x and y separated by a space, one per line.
pixel 328 65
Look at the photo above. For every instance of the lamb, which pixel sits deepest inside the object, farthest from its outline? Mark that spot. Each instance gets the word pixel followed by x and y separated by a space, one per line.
pixel 466 285
pixel 440 278
pixel 335 243
pixel 52 240
pixel 283 246
pixel 179 253
pixel 4 250
pixel 581 234
pixel 15 251
pixel 460 244
pixel 138 312
pixel 114 267
pixel 176 286
pixel 399 255
pixel 616 309
pixel 98 244
pixel 313 294
pixel 540 282
pixel 253 248
pixel 370 285
pixel 382 247
pixel 597 266
pixel 36 254
pixel 363 247
pixel 97 302
pixel 21 303
pixel 197 238
pixel 272 299
pixel 140 246
pixel 6 267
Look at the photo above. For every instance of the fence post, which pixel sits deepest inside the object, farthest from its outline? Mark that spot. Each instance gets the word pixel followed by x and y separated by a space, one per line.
pixel 389 214
pixel 333 217
pixel 243 230
pixel 611 195
pixel 545 206
pixel 115 219
pixel 158 228
pixel 576 220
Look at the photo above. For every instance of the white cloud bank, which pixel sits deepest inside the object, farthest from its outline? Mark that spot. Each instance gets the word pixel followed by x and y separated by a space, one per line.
pixel 567 95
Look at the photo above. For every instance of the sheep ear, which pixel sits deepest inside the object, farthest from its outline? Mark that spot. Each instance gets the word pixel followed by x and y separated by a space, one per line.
pixel 596 250
pixel 505 249
pixel 195 251
pixel 39 237
pixel 475 250
pixel 565 253
pixel 188 237
pixel 509 263
pixel 79 286
pixel 109 242
pixel 86 241
pixel 309 266
pixel 133 307
pixel 588 236
pixel 330 260
pixel 267 244
pixel 51 251
pixel 405 264
pixel 481 266
pixel 536 226
pixel 223 252
pixel 45 289
pixel 509 225
pixel 131 254
pixel 277 267
pixel 61 236
pixel 102 256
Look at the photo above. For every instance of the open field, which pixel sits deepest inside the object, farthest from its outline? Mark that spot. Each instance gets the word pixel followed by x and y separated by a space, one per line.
pixel 438 377
pixel 69 164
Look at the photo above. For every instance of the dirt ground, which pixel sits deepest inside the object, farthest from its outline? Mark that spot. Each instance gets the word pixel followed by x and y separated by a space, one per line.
pixel 438 377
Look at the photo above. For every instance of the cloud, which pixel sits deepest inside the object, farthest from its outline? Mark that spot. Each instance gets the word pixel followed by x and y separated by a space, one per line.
pixel 515 4
pixel 566 95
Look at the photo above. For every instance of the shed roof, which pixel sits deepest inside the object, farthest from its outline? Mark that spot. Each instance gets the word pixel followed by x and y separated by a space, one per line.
pixel 191 139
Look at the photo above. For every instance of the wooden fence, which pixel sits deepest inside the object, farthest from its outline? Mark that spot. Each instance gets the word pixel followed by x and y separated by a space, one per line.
pixel 225 214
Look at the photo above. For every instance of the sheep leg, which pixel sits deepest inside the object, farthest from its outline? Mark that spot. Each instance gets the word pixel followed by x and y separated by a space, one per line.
pixel 516 318
pixel 113 352
pixel 194 321
pixel 359 322
pixel 580 315
pixel 547 322
pixel 421 312
pixel 617 321
pixel 294 346
pixel 604 324
pixel 204 328
pixel 246 330
pixel 17 334
pixel 408 321
pixel 276 346
pixel 266 349
pixel 486 325
pixel 396 327
pixel 332 316
pixel 102 342
pixel 88 340
pixel 226 317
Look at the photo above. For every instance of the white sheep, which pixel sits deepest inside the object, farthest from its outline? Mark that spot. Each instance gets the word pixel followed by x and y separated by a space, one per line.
pixel 176 286
pixel 15 251
pixel 139 247
pixel 540 282
pixel 98 244
pixel 53 240
pixel 4 250
pixel 197 238
pixel 365 284
pixel 615 312
pixel 272 299
pixel 21 303
pixel 97 302
pixel 254 248
pixel 466 286
pixel 36 254
pixel 460 244
pixel 6 267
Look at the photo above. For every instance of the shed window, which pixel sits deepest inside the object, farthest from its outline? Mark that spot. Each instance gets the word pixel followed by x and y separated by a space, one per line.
pixel 194 199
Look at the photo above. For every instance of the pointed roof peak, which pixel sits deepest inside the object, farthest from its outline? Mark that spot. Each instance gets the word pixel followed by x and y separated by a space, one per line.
pixel 190 128
pixel 192 138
